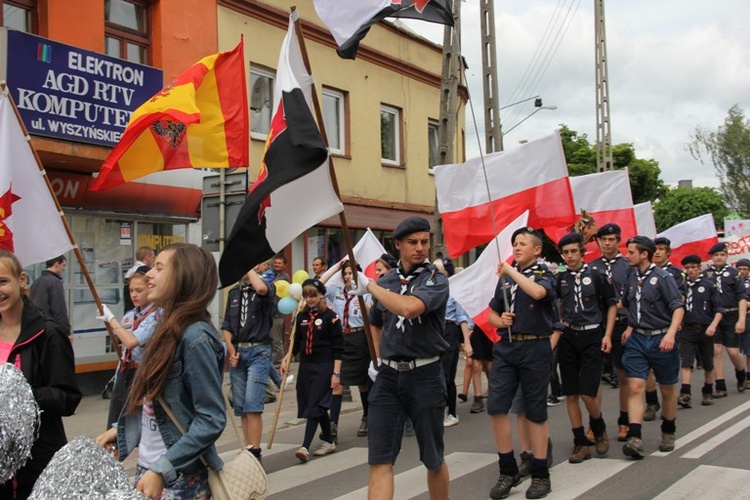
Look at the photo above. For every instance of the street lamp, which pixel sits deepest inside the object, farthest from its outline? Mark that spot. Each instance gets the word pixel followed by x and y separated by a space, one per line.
pixel 551 108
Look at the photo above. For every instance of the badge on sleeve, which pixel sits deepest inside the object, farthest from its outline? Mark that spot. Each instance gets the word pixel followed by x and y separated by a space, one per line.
pixel 586 280
pixel 653 280
pixel 701 289
pixel 318 322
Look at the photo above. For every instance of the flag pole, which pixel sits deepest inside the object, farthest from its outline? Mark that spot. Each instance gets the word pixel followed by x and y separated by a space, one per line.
pixel 76 250
pixel 334 182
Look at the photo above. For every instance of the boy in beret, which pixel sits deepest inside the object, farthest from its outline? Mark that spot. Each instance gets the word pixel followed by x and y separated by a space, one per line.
pixel 408 320
pixel 586 298
pixel 703 312
pixel 522 358
pixel 655 311
pixel 733 299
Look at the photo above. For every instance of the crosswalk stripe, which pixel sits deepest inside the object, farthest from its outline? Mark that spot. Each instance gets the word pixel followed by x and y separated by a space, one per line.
pixel 413 482
pixel 705 429
pixel 718 439
pixel 316 468
pixel 708 481
pixel 572 480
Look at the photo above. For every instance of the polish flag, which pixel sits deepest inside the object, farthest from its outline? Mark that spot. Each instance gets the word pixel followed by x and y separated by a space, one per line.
pixel 695 236
pixel 644 219
pixel 533 177
pixel 606 197
pixel 474 287
pixel 366 252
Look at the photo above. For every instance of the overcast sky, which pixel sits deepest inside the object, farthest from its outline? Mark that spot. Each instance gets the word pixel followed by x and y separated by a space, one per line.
pixel 673 65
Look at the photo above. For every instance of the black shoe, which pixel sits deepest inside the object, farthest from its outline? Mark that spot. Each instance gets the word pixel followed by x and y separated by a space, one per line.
pixel 477 406
pixel 524 468
pixel 463 397
pixel 503 486
pixel 540 487
pixel 334 433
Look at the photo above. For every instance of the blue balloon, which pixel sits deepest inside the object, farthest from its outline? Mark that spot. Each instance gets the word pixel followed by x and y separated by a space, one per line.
pixel 287 305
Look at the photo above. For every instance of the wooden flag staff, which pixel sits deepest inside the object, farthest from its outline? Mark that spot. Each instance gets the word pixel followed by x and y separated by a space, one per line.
pixel 76 250
pixel 334 182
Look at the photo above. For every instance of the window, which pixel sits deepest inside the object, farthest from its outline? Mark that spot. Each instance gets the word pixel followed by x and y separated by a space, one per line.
pixel 433 144
pixel 127 30
pixel 18 15
pixel 261 101
pixel 334 118
pixel 390 135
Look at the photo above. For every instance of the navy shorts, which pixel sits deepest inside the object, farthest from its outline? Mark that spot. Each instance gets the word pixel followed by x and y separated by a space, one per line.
pixel 419 394
pixel 526 364
pixel 695 344
pixel 745 343
pixel 642 354
pixel 725 334
pixel 580 357
pixel 617 347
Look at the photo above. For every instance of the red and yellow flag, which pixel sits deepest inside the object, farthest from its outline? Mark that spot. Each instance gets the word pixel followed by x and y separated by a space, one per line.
pixel 199 120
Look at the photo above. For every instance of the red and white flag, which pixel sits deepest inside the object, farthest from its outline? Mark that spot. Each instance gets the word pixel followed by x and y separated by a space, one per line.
pixel 644 219
pixel 474 287
pixel 366 252
pixel 30 223
pixel 694 236
pixel 606 197
pixel 350 20
pixel 533 177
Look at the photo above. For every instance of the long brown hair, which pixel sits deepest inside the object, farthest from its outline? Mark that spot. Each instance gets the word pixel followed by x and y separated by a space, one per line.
pixel 192 285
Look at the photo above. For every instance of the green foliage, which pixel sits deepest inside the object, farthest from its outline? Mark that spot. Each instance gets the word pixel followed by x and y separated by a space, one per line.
pixel 644 174
pixel 679 205
pixel 728 148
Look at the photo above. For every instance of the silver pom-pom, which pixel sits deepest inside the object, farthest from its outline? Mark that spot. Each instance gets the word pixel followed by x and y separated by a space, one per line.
pixel 82 469
pixel 19 421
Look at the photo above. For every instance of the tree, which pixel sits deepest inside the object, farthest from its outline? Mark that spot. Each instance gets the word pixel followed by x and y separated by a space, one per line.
pixel 645 184
pixel 728 148
pixel 681 204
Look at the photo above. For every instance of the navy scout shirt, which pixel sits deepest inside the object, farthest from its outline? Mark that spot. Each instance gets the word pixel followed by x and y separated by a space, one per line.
pixel 660 297
pixel 533 317
pixel 730 285
pixel 702 302
pixel 617 272
pixel 260 309
pixel 594 298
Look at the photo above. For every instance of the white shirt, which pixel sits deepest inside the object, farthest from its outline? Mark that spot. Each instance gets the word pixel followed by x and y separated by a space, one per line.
pixel 151 446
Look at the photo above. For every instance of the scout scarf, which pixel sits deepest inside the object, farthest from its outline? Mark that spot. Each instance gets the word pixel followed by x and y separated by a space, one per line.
pixel 310 328
pixel 405 280
pixel 609 263
pixel 577 286
pixel 641 279
pixel 689 299
pixel 514 287
pixel 718 272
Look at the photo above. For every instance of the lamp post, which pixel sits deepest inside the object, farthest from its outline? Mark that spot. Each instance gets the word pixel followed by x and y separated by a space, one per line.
pixel 551 108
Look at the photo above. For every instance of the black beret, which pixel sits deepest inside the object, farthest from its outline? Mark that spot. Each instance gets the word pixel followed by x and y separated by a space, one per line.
pixel 142 269
pixel 411 225
pixel 570 238
pixel 389 259
pixel 742 262
pixel 525 230
pixel 644 241
pixel 719 247
pixel 661 240
pixel 608 229
pixel 315 282
pixel 690 259
pixel 450 269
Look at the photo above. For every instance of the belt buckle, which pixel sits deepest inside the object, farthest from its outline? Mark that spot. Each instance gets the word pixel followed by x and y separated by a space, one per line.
pixel 403 366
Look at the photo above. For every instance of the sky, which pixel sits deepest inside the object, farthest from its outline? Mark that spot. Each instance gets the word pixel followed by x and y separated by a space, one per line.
pixel 674 65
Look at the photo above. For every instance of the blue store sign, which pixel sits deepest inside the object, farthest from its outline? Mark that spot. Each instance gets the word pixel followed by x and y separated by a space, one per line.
pixel 73 94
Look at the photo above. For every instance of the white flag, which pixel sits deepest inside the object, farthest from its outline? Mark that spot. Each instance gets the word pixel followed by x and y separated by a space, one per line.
pixel 367 250
pixel 644 219
pixel 30 223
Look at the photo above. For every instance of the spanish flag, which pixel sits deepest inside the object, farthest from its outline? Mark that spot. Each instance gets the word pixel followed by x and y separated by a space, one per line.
pixel 199 120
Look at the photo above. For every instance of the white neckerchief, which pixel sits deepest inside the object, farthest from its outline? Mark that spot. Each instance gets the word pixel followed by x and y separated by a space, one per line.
pixel 405 281
pixel 577 296
pixel 609 263
pixel 689 299
pixel 514 287
pixel 717 273
pixel 641 280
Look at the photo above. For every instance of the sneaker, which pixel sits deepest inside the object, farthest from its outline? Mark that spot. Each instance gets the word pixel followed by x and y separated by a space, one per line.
pixel 540 487
pixel 302 454
pixel 634 448
pixel 650 413
pixel 477 406
pixel 579 454
pixel 741 380
pixel 362 431
pixel 685 400
pixel 622 433
pixel 408 428
pixel 553 401
pixel 503 486
pixel 667 441
pixel 601 444
pixel 524 468
pixel 720 393
pixel 334 433
pixel 450 421
pixel 590 435
pixel 463 397
pixel 708 399
pixel 325 449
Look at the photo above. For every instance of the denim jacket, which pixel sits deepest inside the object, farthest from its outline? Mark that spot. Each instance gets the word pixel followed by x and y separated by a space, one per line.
pixel 193 392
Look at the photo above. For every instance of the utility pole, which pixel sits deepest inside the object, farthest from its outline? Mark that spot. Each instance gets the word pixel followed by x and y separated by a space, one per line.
pixel 448 106
pixel 603 130
pixel 492 127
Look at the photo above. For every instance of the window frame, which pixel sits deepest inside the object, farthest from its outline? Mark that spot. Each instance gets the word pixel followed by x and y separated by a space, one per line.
pixel 398 137
pixel 126 35
pixel 265 72
pixel 30 6
pixel 433 124
pixel 343 121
